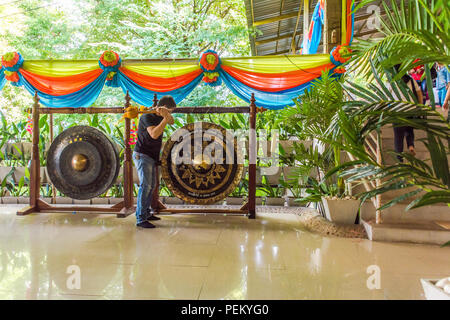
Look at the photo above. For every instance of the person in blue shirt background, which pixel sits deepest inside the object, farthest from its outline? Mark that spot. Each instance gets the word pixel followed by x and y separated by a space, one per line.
pixel 442 83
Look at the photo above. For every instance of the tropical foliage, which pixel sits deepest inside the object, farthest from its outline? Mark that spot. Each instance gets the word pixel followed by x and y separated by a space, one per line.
pixel 349 114
pixel 414 30
pixel 134 28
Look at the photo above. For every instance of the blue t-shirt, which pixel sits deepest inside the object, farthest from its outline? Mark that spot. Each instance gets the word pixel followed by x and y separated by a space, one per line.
pixel 443 77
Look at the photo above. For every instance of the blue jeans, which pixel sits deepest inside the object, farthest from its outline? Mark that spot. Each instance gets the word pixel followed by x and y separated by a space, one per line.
pixel 145 166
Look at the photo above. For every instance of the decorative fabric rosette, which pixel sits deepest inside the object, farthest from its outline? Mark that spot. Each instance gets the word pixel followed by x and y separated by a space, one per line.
pixel 11 63
pixel 210 64
pixel 29 126
pixel 110 62
pixel 133 134
pixel 339 70
pixel 340 54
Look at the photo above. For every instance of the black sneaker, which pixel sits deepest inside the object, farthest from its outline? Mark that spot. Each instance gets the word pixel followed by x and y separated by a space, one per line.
pixel 151 215
pixel 146 225
pixel 153 218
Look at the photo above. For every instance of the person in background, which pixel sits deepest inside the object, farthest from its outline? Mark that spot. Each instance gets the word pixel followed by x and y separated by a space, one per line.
pixel 446 100
pixel 406 132
pixel 417 74
pixel 442 84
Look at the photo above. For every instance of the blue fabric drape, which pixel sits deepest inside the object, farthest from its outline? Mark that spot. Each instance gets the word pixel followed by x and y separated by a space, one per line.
pixel 271 100
pixel 311 46
pixel 145 97
pixel 83 98
pixel 2 78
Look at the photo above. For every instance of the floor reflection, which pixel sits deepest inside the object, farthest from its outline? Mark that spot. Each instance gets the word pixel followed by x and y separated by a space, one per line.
pixel 200 257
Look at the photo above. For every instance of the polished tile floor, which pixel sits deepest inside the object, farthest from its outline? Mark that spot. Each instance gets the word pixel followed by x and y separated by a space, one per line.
pixel 79 256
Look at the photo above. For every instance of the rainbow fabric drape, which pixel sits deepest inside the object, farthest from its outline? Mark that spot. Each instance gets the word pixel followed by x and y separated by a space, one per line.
pixel 275 80
pixel 348 21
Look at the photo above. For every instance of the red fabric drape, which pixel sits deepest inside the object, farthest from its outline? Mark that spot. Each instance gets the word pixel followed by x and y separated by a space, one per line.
pixel 161 84
pixel 271 82
pixel 58 86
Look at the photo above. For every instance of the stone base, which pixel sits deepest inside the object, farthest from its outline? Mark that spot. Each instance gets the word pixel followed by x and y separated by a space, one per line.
pixel 424 232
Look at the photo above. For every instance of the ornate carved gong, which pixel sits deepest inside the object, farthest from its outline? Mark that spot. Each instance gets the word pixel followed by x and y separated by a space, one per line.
pixel 82 162
pixel 200 163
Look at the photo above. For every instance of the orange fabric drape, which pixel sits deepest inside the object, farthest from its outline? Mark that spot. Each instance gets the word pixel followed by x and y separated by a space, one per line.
pixel 276 82
pixel 161 84
pixel 58 86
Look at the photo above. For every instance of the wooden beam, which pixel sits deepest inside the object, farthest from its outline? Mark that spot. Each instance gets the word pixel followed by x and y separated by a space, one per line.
pixel 279 24
pixel 252 160
pixel 253 23
pixel 35 179
pixel 273 39
pixel 369 15
pixel 362 34
pixel 276 19
pixel 203 210
pixel 280 52
pixel 296 26
pixel 127 161
pixel 115 110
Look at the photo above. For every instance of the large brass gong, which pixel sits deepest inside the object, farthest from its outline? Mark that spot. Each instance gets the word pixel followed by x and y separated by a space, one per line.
pixel 82 162
pixel 200 163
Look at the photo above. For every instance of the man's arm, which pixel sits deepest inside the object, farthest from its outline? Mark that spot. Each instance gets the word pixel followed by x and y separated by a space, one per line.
pixel 156 131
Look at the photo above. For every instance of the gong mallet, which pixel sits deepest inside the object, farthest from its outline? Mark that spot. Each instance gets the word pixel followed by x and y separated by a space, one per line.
pixel 133 113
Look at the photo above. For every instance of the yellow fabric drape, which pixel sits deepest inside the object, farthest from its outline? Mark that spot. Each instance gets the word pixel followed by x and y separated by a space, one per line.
pixel 162 69
pixel 277 64
pixel 265 64
pixel 59 68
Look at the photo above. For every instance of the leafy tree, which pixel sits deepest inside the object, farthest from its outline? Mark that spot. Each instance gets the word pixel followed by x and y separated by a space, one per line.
pixel 134 28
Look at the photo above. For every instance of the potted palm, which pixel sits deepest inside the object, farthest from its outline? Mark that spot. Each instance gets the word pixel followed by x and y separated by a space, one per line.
pixel 406 41
pixel 294 192
pixel 274 193
pixel 340 209
pixel 7 186
pixel 237 197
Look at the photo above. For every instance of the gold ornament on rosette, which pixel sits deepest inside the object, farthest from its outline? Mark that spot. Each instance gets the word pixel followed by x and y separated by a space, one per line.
pixel 201 163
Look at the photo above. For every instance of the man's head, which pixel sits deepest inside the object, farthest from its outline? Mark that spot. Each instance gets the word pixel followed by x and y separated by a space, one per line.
pixel 168 102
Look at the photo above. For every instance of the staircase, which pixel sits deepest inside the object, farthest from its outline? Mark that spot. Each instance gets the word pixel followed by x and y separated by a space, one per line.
pixel 430 224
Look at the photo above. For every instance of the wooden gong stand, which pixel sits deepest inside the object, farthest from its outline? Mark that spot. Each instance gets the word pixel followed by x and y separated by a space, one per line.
pixel 121 209
pixel 126 207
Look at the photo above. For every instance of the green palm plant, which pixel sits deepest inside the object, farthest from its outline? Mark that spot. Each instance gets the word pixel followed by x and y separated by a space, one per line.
pixel 412 29
pixel 376 106
pixel 311 116
pixel 417 29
